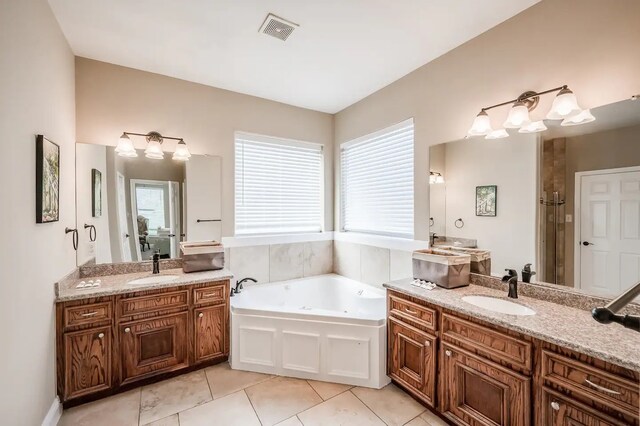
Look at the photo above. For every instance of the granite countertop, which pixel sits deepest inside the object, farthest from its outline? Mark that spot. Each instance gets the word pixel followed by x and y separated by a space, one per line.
pixel 118 284
pixel 562 325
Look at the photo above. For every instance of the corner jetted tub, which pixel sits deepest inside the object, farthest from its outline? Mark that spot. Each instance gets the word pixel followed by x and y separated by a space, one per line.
pixel 326 327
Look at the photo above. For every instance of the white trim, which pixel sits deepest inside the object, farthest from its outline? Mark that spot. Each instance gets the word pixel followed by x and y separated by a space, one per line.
pixel 53 415
pixel 392 243
pixel 255 137
pixel 377 133
pixel 261 240
pixel 577 238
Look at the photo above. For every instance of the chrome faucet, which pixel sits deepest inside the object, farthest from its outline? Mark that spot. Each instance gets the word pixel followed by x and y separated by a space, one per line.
pixel 156 262
pixel 512 279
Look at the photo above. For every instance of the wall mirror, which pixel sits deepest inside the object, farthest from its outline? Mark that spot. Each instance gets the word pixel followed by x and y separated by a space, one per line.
pixel 566 200
pixel 130 208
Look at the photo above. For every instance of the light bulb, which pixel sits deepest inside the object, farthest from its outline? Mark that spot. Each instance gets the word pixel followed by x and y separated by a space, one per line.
pixel 481 125
pixel 581 118
pixel 564 105
pixel 497 134
pixel 533 127
pixel 518 116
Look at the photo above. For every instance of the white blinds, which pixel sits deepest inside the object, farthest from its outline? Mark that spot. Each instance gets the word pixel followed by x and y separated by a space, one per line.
pixel 377 182
pixel 279 186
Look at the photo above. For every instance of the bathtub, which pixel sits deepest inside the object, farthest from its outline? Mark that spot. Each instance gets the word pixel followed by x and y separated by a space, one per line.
pixel 326 327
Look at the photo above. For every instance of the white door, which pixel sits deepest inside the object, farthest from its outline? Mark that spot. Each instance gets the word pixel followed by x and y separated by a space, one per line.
pixel 203 198
pixel 123 227
pixel 609 232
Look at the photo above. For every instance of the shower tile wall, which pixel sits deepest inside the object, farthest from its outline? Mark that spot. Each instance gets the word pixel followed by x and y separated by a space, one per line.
pixel 277 262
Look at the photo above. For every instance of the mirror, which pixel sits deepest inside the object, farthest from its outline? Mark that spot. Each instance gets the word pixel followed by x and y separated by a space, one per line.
pixel 130 208
pixel 565 200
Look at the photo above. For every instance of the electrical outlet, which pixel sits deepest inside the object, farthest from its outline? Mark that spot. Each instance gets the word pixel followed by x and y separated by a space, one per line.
pixel 568 218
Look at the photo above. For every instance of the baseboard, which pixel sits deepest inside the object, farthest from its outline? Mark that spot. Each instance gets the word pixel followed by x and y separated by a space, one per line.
pixel 54 413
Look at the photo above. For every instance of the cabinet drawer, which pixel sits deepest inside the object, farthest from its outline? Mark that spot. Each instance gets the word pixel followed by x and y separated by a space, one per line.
pixel 87 314
pixel 407 310
pixel 575 376
pixel 211 294
pixel 558 410
pixel 153 302
pixel 487 342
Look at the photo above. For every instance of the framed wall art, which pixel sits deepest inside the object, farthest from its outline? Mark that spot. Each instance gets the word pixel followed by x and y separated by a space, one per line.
pixel 486 200
pixel 96 193
pixel 47 180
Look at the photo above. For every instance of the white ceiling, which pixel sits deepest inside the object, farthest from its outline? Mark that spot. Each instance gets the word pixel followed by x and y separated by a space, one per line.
pixel 343 50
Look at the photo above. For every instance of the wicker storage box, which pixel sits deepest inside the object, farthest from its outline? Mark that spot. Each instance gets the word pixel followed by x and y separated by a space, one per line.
pixel 203 256
pixel 442 267
pixel 480 259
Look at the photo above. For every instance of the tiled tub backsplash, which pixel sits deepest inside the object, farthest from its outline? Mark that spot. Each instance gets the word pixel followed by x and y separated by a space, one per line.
pixel 369 264
pixel 278 262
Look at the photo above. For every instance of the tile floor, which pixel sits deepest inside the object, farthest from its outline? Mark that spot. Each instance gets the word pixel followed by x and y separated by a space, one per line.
pixel 220 396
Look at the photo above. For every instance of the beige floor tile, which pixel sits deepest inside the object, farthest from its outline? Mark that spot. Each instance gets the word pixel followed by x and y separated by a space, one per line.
pixel 328 390
pixel 231 410
pixel 432 419
pixel 122 409
pixel 167 421
pixel 291 421
pixel 390 403
pixel 417 422
pixel 344 409
pixel 171 396
pixel 280 398
pixel 224 381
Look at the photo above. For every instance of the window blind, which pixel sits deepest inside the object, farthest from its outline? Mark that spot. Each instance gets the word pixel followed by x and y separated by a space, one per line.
pixel 377 182
pixel 278 186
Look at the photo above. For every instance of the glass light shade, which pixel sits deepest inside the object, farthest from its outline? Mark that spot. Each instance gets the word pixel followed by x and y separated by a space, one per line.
pixel 581 118
pixel 565 105
pixel 533 127
pixel 497 134
pixel 182 152
pixel 125 147
pixel 154 150
pixel 439 179
pixel 518 116
pixel 481 125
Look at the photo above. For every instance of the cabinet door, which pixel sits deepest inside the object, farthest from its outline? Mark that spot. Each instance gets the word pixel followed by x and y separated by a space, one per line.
pixel 480 392
pixel 210 332
pixel 412 359
pixel 87 356
pixel 153 346
pixel 558 410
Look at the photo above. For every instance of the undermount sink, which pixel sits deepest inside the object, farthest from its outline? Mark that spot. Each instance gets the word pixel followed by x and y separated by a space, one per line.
pixel 158 279
pixel 499 305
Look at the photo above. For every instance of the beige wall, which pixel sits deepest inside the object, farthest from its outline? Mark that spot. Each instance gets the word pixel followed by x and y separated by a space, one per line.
pixel 111 99
pixel 37 87
pixel 591 45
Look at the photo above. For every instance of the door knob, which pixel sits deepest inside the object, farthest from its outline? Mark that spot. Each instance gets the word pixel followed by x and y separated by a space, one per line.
pixel 127 330
pixel 126 235
pixel 555 405
pixel 587 243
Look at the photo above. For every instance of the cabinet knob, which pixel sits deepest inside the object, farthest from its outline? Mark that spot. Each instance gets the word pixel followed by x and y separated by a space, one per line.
pixel 101 335
pixel 200 315
pixel 126 330
pixel 427 343
pixel 447 353
pixel 555 405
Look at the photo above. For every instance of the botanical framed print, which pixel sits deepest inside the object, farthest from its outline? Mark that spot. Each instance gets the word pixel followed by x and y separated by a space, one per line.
pixel 96 193
pixel 486 200
pixel 47 180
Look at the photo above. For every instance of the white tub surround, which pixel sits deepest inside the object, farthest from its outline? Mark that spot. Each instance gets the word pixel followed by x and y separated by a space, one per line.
pixel 327 327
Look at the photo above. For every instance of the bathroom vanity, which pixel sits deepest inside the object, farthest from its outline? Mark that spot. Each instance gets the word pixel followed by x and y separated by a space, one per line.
pixel 478 367
pixel 136 328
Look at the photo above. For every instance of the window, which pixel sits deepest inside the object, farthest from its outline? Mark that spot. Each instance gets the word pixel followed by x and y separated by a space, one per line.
pixel 377 182
pixel 279 186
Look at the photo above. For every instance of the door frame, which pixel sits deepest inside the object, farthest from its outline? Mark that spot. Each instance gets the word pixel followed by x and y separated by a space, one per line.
pixel 577 212
pixel 122 208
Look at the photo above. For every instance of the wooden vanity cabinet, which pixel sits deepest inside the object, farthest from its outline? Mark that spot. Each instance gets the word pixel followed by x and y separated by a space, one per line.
pixel 118 342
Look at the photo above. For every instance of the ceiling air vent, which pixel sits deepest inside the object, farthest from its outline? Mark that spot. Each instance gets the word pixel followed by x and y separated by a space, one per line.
pixel 277 27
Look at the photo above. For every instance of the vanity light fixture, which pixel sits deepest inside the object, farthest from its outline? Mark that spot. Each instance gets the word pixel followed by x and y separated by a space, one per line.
pixel 154 150
pixel 435 177
pixel 565 107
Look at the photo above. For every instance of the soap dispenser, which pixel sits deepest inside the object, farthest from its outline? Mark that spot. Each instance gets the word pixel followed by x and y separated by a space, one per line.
pixel 527 273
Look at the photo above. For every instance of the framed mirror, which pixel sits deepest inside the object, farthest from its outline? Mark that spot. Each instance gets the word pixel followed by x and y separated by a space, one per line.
pixel 566 200
pixel 130 208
